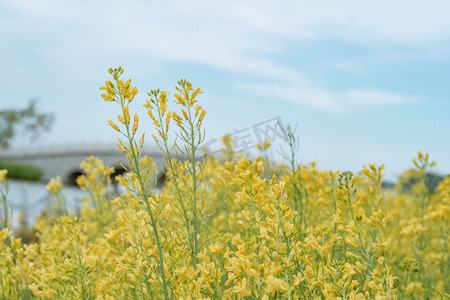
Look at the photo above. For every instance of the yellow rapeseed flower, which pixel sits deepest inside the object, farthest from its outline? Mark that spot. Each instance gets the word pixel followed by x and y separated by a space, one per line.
pixel 3 174
pixel 111 123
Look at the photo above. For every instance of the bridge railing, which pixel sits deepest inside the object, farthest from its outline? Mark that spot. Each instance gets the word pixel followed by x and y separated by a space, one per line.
pixel 72 149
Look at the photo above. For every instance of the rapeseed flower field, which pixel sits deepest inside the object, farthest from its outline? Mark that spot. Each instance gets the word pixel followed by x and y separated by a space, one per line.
pixel 229 228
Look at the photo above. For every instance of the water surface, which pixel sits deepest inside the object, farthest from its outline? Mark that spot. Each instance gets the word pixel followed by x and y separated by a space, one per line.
pixel 31 198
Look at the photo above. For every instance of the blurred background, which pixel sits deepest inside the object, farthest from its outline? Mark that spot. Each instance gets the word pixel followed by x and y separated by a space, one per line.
pixel 364 81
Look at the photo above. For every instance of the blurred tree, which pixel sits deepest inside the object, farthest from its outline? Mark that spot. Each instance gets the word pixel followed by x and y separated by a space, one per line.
pixel 432 181
pixel 24 124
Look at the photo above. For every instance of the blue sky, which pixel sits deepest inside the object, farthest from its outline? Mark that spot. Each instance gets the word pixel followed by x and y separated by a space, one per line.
pixel 364 81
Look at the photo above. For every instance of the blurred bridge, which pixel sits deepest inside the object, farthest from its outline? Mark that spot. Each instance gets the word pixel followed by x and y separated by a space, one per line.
pixel 64 161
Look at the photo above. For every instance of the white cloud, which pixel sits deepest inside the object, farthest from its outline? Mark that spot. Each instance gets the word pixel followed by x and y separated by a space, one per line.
pixel 237 36
pixel 375 97
pixel 321 99
pixel 205 33
pixel 300 94
pixel 406 21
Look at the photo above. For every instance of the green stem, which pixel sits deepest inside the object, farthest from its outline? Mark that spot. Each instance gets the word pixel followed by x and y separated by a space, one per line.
pixel 177 187
pixel 194 184
pixel 145 196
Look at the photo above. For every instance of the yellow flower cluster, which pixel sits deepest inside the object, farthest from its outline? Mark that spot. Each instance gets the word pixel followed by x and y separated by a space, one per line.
pixel 232 229
pixel 3 174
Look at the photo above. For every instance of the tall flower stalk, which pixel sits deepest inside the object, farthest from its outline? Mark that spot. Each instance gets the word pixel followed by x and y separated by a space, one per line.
pixel 189 121
pixel 123 93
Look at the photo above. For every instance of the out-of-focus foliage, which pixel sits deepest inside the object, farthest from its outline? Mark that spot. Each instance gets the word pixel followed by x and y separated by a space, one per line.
pixel 230 229
pixel 26 124
pixel 22 171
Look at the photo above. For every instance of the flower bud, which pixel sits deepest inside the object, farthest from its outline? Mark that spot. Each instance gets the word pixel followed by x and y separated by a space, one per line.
pixel 197 109
pixel 202 115
pixel 126 113
pixel 149 112
pixel 113 125
pixel 185 114
pixel 141 141
pixel 136 123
